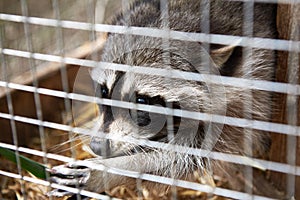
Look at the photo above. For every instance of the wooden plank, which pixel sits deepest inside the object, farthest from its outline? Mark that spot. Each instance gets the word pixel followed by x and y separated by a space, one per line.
pixel 288 25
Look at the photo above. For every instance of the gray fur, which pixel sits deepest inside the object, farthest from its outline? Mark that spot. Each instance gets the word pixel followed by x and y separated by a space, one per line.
pixel 185 15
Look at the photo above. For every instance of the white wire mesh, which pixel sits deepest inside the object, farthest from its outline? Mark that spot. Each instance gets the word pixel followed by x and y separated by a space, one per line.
pixel 292 89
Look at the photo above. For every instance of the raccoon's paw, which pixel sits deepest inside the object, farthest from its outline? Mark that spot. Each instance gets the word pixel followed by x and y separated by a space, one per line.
pixel 73 174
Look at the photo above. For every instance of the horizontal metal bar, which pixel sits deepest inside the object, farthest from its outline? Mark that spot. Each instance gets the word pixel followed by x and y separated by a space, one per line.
pixel 275 44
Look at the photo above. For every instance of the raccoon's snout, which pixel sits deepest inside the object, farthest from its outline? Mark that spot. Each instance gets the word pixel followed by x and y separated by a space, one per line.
pixel 101 147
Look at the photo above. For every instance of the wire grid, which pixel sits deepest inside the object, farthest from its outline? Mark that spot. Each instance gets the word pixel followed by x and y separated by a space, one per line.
pixel 292 89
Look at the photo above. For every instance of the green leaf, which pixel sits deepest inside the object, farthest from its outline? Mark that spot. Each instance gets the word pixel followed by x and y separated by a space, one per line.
pixel 27 164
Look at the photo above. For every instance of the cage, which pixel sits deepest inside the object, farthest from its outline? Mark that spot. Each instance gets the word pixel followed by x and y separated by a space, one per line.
pixel 55 54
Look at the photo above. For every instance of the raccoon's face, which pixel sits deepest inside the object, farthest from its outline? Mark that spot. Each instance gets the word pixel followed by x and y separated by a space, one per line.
pixel 155 90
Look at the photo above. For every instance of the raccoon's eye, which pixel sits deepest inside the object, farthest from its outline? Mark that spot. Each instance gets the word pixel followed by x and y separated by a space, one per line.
pixel 103 91
pixel 141 118
pixel 142 100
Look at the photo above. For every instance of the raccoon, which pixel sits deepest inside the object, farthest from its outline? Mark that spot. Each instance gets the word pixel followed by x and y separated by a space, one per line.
pixel 187 56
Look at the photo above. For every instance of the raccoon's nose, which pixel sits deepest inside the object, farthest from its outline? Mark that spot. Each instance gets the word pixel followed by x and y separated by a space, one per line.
pixel 100 147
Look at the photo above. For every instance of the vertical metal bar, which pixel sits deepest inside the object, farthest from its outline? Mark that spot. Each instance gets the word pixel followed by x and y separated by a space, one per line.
pixel 64 79
pixel 125 4
pixel 248 11
pixel 11 109
pixel 91 5
pixel 32 66
pixel 205 6
pixel 64 75
pixel 164 9
pixel 205 19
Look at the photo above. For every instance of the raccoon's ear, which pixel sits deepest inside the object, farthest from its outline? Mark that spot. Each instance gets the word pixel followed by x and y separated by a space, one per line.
pixel 221 55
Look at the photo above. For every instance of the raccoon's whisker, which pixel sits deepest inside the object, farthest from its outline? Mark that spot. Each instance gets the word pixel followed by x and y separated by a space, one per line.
pixel 131 150
pixel 67 149
pixel 76 138
pixel 142 149
pixel 57 146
